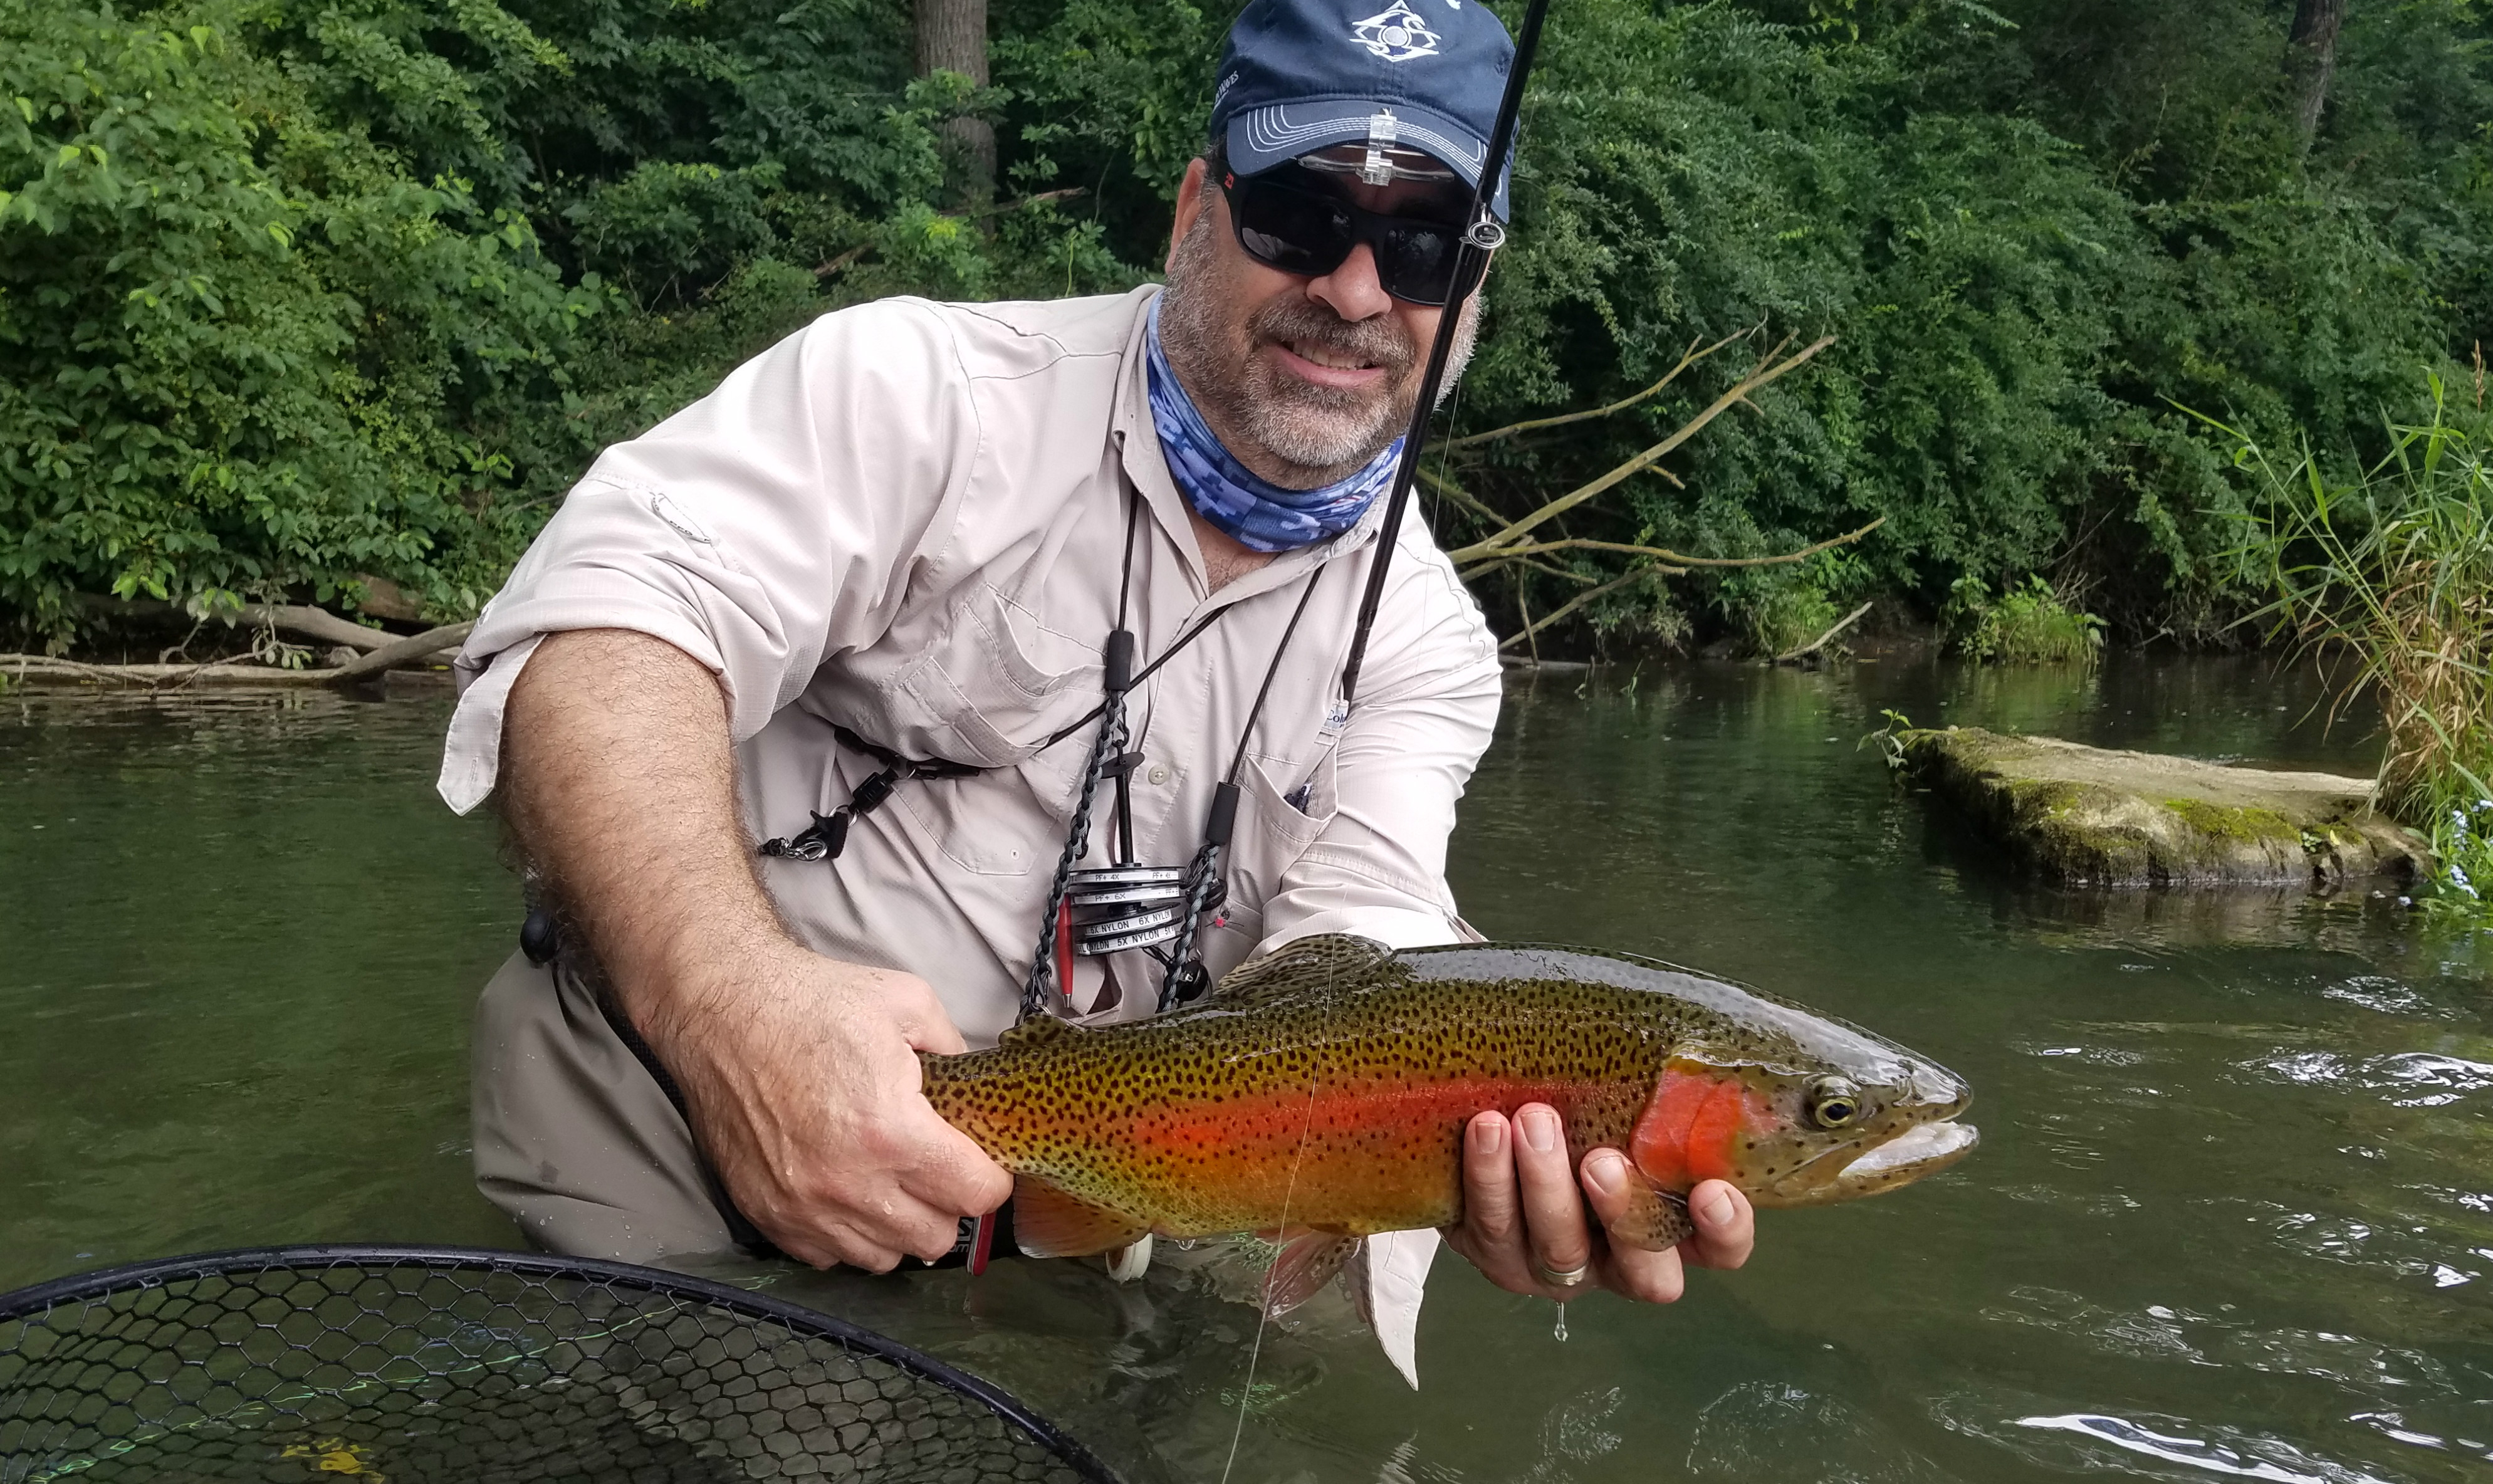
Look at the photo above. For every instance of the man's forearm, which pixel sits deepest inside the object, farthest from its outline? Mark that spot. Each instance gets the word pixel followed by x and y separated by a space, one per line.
pixel 619 782
pixel 800 1074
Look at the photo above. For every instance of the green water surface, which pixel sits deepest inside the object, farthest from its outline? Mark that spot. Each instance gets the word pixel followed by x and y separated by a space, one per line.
pixel 2231 1218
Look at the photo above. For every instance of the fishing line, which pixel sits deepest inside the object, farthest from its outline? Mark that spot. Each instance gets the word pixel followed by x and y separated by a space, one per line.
pixel 1264 1300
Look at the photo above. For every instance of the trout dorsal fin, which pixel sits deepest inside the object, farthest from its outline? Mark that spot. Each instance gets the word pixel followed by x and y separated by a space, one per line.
pixel 1304 964
pixel 1039 1030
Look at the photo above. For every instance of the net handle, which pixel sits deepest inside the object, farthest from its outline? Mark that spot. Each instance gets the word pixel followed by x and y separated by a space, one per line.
pixel 31 1302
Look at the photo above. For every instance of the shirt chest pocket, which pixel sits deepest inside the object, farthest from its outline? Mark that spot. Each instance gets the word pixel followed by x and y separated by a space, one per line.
pixel 993 685
pixel 1281 815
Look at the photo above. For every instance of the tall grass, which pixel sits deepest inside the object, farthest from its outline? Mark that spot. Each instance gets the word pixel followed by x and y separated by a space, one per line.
pixel 2385 576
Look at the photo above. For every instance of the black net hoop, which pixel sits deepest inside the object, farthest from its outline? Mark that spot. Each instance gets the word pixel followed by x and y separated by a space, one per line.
pixel 412 1365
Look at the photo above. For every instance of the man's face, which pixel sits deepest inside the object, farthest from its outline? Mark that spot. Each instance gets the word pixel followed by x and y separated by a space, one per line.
pixel 1303 379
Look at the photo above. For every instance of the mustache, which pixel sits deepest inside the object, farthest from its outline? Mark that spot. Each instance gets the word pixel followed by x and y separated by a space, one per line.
pixel 1380 341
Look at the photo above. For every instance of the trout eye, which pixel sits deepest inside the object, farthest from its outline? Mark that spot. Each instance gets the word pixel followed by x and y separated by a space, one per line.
pixel 1833 1102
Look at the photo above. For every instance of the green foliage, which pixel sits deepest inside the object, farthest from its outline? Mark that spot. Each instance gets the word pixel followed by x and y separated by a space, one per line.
pixel 297 290
pixel 2025 626
pixel 2387 574
pixel 244 351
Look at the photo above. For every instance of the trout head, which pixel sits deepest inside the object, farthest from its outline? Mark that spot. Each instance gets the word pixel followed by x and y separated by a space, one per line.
pixel 1825 1113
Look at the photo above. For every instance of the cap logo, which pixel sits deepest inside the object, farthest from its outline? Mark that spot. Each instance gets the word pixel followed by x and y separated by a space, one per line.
pixel 1397 34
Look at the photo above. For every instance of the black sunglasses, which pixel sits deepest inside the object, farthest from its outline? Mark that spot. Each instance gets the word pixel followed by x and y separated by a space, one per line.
pixel 1300 226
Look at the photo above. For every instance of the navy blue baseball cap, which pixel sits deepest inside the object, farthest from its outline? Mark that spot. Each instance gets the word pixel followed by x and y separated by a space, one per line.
pixel 1300 75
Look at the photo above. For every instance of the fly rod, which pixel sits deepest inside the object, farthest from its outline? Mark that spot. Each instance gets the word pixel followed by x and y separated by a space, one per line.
pixel 1480 238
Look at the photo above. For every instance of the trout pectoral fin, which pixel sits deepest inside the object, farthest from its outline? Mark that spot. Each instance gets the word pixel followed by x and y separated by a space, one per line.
pixel 1307 1263
pixel 1654 1218
pixel 1047 1223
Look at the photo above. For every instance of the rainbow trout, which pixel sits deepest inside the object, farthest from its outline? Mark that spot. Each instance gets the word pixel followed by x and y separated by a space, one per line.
pixel 1319 1095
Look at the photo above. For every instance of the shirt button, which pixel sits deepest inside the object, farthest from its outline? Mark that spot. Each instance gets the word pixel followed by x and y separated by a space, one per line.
pixel 1159 774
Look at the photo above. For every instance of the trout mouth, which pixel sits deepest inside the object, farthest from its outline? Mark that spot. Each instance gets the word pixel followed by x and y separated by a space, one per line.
pixel 1871 1166
pixel 1922 1150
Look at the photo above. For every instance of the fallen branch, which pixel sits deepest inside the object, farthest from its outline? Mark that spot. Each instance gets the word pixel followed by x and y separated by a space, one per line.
pixel 1820 643
pixel 294 617
pixel 1534 425
pixel 1578 601
pixel 1665 554
pixel 1759 378
pixel 20 667
pixel 1460 495
pixel 432 641
pixel 432 644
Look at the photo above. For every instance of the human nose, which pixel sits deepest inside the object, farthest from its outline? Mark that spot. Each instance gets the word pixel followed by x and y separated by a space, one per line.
pixel 1353 290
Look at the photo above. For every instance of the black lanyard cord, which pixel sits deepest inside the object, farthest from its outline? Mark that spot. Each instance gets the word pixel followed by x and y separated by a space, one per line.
pixel 1187 978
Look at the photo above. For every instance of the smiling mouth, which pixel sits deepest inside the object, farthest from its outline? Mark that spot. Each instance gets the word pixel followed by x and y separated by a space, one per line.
pixel 1340 360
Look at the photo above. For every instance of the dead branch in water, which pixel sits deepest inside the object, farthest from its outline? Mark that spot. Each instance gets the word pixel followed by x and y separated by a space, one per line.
pixel 431 645
pixel 1822 641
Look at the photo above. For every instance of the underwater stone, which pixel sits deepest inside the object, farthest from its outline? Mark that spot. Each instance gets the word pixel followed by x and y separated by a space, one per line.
pixel 2075 815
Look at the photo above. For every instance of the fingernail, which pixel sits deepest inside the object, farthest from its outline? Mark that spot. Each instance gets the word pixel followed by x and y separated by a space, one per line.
pixel 1540 1130
pixel 1491 1133
pixel 1717 1211
pixel 1608 1172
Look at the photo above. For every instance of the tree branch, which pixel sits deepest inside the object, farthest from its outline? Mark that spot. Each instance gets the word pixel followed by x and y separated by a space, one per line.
pixel 1820 643
pixel 1534 425
pixel 1666 554
pixel 1578 601
pixel 1758 378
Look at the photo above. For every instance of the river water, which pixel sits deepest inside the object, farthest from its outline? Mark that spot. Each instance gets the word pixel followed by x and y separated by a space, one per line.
pixel 2231 1218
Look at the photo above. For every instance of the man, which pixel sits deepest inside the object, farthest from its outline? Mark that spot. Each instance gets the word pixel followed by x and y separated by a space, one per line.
pixel 900 540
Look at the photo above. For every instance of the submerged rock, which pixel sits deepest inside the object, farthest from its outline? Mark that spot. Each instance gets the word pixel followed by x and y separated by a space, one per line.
pixel 2087 816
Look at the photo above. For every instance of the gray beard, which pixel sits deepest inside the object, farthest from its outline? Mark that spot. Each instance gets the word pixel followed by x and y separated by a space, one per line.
pixel 1316 435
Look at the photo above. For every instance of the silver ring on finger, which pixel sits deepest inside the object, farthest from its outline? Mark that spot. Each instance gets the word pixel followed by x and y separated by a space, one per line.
pixel 1562 1280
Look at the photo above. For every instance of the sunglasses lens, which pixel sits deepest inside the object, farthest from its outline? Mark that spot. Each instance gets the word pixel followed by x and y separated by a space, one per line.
pixel 1310 231
pixel 1415 262
pixel 1290 230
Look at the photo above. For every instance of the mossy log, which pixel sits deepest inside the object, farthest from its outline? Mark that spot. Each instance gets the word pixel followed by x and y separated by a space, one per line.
pixel 2076 815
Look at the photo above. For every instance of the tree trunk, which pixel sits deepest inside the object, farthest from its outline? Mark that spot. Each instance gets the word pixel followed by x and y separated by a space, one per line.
pixel 2310 61
pixel 953 38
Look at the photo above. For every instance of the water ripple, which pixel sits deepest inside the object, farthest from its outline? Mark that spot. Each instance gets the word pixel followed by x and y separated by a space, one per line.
pixel 2419 1079
pixel 2244 1458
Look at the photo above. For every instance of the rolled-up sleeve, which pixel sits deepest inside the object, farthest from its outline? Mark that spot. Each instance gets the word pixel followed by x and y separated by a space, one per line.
pixel 772 524
pixel 1425 709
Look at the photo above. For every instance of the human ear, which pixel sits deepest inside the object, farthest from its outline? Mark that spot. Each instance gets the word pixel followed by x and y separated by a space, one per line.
pixel 1190 202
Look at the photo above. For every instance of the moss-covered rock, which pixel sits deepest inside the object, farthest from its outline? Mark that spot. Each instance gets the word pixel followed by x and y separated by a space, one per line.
pixel 2085 816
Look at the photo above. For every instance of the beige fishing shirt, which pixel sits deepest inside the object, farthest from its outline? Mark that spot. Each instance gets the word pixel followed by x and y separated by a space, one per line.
pixel 907 518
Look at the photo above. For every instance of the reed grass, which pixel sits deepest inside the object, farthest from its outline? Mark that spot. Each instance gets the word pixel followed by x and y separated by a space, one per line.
pixel 2385 575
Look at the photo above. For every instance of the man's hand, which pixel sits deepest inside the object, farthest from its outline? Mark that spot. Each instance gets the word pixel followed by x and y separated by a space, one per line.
pixel 1522 1214
pixel 801 1073
pixel 803 1078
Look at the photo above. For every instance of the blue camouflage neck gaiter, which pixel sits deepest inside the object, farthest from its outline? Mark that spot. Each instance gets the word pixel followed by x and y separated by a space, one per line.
pixel 1256 513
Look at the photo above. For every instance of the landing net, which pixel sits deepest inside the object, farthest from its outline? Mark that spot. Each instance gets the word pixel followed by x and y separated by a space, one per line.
pixel 321 1365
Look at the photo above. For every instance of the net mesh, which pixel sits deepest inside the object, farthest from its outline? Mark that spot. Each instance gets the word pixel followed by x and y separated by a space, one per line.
pixel 314 1366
